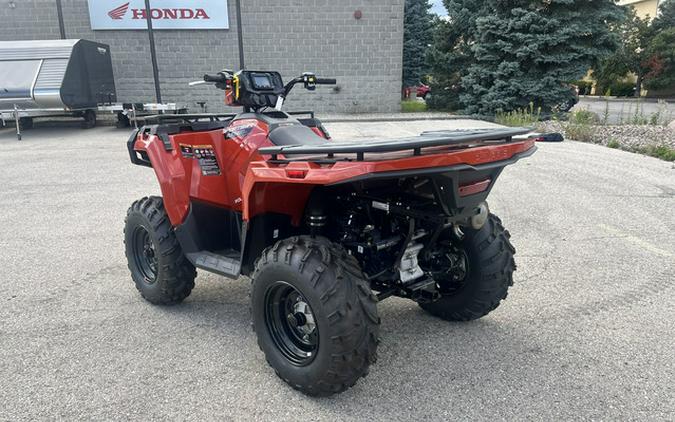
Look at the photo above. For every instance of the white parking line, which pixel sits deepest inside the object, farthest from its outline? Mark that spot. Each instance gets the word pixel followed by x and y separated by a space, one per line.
pixel 636 240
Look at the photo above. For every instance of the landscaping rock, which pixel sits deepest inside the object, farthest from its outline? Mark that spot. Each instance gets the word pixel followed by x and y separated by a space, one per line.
pixel 628 137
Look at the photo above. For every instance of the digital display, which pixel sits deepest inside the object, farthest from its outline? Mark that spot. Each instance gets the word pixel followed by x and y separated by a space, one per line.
pixel 262 81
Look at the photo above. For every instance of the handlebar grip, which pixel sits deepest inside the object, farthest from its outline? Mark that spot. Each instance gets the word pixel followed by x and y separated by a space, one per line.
pixel 324 81
pixel 219 77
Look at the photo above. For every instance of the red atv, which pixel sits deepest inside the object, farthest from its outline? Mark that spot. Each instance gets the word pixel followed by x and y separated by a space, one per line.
pixel 325 230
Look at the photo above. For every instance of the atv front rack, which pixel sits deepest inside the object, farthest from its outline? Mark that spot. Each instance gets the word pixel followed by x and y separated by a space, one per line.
pixel 458 138
pixel 211 117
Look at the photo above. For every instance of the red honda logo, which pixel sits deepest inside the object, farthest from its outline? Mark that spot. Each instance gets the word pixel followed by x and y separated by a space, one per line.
pixel 119 12
pixel 171 14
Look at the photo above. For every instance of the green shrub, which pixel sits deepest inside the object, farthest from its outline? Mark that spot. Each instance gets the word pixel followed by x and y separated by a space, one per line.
pixel 443 97
pixel 613 143
pixel 638 119
pixel 413 106
pixel 622 89
pixel 584 117
pixel 584 87
pixel 663 152
pixel 579 132
pixel 519 117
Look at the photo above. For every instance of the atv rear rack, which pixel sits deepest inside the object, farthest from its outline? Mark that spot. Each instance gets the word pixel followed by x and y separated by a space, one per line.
pixel 459 138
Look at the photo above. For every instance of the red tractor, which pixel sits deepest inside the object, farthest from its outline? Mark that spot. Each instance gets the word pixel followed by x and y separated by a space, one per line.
pixel 324 230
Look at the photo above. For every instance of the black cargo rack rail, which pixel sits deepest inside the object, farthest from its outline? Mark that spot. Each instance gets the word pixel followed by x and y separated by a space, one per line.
pixel 163 118
pixel 450 138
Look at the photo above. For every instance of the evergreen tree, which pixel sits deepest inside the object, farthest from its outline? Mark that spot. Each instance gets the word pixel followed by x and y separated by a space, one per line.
pixel 450 54
pixel 417 33
pixel 527 50
pixel 514 52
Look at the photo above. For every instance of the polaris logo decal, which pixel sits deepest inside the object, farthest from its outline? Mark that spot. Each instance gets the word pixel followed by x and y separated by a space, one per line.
pixel 165 14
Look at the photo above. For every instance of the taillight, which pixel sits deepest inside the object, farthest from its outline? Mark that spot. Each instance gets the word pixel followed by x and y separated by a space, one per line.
pixel 296 174
pixel 474 187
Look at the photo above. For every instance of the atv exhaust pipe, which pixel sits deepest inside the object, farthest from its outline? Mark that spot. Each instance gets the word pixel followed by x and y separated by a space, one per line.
pixel 477 221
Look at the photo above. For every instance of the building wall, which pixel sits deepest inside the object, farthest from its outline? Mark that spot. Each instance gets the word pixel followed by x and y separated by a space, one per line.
pixel 643 8
pixel 291 36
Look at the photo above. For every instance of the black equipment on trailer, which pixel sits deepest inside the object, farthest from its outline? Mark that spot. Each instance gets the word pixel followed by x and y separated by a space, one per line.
pixel 63 74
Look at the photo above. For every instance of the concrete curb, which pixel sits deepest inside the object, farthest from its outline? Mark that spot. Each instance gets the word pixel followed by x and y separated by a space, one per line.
pixel 389 119
pixel 625 99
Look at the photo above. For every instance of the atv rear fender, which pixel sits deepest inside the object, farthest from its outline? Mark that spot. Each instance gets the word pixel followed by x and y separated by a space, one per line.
pixel 144 149
pixel 284 188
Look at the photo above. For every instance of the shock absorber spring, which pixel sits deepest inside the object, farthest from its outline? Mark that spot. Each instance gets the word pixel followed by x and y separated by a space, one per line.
pixel 316 222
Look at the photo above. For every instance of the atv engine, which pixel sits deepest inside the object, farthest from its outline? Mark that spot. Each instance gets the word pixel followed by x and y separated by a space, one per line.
pixel 393 230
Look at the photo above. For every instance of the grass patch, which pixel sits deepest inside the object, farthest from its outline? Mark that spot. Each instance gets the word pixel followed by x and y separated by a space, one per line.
pixel 583 117
pixel 413 106
pixel 613 143
pixel 519 117
pixel 663 152
pixel 579 132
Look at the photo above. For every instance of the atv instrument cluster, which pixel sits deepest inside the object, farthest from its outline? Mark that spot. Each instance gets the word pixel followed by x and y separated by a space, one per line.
pixel 255 90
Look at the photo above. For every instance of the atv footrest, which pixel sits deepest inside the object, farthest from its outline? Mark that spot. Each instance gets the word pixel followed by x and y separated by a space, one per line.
pixel 420 290
pixel 420 284
pixel 423 290
pixel 225 263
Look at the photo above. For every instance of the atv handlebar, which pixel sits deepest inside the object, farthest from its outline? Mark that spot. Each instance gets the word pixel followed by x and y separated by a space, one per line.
pixel 310 82
pixel 324 81
pixel 218 77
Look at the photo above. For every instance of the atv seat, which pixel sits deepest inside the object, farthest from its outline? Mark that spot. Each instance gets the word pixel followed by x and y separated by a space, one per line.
pixel 295 135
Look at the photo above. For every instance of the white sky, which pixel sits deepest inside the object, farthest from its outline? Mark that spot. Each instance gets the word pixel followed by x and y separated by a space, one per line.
pixel 438 8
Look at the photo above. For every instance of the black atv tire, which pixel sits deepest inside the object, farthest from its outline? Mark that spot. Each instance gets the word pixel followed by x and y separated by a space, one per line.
pixel 328 283
pixel 89 117
pixel 160 270
pixel 25 123
pixel 490 274
pixel 123 121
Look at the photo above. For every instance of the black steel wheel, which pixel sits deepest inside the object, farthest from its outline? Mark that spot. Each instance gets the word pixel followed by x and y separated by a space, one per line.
pixel 314 314
pixel 160 270
pixel 473 274
pixel 144 254
pixel 291 323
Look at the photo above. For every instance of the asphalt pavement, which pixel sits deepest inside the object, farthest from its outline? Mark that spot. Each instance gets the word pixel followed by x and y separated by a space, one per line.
pixel 586 331
pixel 626 110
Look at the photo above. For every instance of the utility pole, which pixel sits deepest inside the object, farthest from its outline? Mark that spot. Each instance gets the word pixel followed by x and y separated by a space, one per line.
pixel 153 53
pixel 59 12
pixel 240 37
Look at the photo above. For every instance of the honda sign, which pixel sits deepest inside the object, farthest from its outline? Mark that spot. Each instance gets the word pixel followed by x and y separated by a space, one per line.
pixel 165 14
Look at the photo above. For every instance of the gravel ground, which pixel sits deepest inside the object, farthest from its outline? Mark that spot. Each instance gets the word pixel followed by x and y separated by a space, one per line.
pixel 586 332
pixel 628 136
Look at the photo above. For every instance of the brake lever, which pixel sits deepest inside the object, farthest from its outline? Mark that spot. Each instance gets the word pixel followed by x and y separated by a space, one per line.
pixel 195 83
